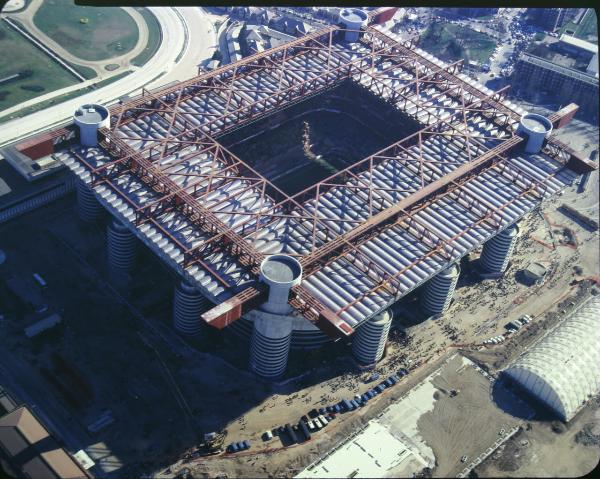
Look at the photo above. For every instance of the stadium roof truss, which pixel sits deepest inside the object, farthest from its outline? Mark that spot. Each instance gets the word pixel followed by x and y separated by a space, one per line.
pixel 161 158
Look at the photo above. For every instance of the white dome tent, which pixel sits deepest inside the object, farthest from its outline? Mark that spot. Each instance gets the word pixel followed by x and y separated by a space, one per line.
pixel 563 369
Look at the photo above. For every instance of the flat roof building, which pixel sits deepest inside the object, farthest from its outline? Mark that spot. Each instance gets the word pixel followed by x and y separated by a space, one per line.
pixel 575 44
pixel 30 449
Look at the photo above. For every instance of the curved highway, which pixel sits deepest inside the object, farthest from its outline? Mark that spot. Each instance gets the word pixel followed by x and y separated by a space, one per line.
pixel 188 38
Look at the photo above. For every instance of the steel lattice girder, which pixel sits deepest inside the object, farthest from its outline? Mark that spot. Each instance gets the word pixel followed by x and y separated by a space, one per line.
pixel 166 102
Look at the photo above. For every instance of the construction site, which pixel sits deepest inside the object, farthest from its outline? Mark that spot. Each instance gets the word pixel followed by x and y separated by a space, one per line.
pixel 256 242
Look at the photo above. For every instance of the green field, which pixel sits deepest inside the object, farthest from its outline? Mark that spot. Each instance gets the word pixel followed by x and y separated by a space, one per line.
pixel 452 42
pixel 588 27
pixel 569 28
pixel 154 37
pixel 45 75
pixel 108 32
pixel 87 73
pixel 59 99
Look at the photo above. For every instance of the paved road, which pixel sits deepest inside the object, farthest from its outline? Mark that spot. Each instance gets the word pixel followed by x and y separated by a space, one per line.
pixel 202 42
pixel 188 31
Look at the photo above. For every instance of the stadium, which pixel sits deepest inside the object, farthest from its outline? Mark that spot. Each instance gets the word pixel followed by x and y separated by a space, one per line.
pixel 302 191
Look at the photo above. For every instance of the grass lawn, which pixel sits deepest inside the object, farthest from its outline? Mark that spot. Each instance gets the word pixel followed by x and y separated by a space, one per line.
pixel 154 37
pixel 588 28
pixel 114 78
pixel 453 42
pixel 43 104
pixel 108 32
pixel 59 99
pixel 567 27
pixel 46 75
pixel 87 73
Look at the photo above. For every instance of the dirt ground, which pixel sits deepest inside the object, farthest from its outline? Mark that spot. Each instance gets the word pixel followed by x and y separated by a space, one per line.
pixel 541 452
pixel 449 428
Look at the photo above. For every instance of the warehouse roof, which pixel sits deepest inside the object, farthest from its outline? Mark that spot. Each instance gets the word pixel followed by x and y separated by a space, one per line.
pixel 561 370
pixel 579 43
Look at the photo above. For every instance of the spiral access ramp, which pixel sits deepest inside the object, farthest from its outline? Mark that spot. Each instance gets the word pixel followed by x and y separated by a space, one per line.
pixel 439 290
pixel 370 338
pixel 88 207
pixel 497 250
pixel 188 305
pixel 121 247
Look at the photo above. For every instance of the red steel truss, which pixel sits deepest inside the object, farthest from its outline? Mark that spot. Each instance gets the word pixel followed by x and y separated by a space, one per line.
pixel 326 244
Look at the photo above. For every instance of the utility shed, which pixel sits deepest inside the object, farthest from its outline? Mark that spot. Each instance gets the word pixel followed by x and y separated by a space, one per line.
pixel 42 325
pixel 561 370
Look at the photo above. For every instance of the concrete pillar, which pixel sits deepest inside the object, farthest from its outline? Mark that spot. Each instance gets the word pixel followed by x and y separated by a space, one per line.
pixel 497 250
pixel 270 345
pixel 188 305
pixel 280 272
pixel 369 340
pixel 121 247
pixel 438 292
pixel 88 207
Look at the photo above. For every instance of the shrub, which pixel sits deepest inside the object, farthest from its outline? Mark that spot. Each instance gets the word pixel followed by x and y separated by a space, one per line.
pixel 558 427
pixel 34 88
pixel 25 73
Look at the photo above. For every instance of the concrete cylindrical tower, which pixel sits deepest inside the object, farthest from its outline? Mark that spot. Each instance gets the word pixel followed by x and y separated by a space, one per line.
pixel 270 345
pixel 188 305
pixel 439 290
pixel 280 272
pixel 121 247
pixel 89 118
pixel 272 329
pixel 370 338
pixel 497 250
pixel 536 128
pixel 353 19
pixel 88 207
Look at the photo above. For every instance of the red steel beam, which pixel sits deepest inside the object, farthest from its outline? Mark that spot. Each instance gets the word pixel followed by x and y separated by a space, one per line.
pixel 398 209
pixel 301 299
